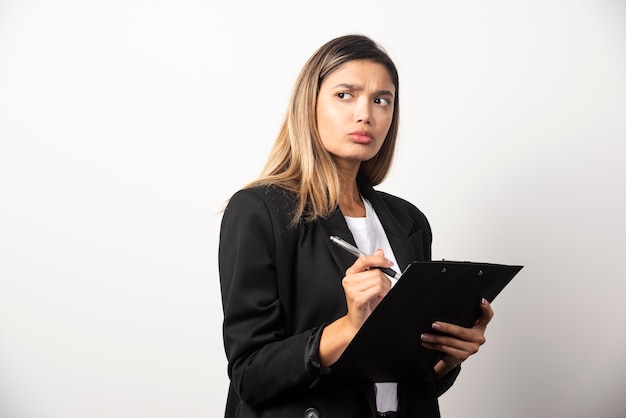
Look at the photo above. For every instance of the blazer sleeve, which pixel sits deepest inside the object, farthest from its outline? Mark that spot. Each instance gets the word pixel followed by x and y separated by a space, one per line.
pixel 265 364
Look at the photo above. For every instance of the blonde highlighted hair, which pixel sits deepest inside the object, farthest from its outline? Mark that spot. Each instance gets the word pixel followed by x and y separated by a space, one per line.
pixel 298 161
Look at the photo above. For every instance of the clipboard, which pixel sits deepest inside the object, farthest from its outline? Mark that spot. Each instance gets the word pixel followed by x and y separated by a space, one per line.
pixel 388 348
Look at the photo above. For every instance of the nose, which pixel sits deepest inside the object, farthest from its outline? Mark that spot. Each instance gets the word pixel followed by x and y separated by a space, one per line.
pixel 363 112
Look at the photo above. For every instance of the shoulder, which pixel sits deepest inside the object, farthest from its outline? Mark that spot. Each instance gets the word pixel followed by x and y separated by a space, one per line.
pixel 270 196
pixel 262 202
pixel 259 217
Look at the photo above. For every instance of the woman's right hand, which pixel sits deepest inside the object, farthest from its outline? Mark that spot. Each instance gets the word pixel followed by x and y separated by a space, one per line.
pixel 364 286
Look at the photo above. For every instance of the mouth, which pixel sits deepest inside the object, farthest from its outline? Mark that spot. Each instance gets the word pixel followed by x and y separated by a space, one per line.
pixel 361 137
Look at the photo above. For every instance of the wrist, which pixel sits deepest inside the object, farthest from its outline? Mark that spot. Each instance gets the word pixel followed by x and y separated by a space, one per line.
pixel 334 340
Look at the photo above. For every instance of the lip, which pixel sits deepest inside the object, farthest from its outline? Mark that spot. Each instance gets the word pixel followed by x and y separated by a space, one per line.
pixel 361 137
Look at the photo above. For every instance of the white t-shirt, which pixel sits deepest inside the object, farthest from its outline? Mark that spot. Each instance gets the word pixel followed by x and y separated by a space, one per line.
pixel 369 235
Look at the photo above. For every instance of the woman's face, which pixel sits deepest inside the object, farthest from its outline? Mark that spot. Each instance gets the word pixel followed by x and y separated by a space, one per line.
pixel 355 110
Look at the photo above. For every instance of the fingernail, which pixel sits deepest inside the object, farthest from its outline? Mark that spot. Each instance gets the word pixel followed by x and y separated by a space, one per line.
pixel 424 337
pixel 483 301
pixel 436 326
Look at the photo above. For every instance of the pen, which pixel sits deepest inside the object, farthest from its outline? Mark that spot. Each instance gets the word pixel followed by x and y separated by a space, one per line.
pixel 355 251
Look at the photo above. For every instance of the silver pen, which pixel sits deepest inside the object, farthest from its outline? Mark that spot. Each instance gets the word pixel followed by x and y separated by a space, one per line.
pixel 355 251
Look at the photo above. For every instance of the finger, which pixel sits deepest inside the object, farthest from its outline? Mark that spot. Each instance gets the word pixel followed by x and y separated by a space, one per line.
pixel 487 314
pixel 366 285
pixel 456 331
pixel 440 341
pixel 458 354
pixel 364 294
pixel 472 335
pixel 365 262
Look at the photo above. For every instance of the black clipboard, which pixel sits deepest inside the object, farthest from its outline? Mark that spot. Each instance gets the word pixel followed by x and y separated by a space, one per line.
pixel 388 348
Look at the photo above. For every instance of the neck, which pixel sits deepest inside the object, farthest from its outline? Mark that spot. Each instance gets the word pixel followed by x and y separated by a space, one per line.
pixel 350 202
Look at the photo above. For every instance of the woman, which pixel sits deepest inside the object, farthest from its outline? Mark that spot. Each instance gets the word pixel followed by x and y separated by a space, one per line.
pixel 292 300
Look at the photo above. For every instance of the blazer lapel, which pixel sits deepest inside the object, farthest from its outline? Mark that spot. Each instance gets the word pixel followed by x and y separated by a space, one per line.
pixel 336 225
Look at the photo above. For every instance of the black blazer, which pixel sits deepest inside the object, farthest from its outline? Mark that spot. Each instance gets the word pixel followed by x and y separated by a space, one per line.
pixel 280 285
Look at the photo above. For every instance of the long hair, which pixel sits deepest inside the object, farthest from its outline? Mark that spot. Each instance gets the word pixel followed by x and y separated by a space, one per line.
pixel 298 161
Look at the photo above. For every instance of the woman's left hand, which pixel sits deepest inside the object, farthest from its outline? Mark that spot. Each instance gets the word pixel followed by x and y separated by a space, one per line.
pixel 457 343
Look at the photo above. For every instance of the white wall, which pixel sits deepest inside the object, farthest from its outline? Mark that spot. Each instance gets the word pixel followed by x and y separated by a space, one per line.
pixel 125 125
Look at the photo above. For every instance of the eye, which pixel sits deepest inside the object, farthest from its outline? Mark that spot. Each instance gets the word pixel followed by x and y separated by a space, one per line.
pixel 344 95
pixel 382 101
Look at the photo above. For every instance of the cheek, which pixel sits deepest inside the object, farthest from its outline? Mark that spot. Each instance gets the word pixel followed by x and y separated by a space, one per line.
pixel 386 125
pixel 326 120
pixel 385 117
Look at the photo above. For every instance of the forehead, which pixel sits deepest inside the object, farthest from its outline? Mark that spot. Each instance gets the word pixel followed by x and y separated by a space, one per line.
pixel 361 73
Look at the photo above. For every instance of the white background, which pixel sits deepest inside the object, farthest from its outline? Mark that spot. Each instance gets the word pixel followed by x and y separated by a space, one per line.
pixel 125 125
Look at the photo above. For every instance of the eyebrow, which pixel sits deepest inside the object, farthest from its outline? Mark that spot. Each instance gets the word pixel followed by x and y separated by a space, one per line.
pixel 358 88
